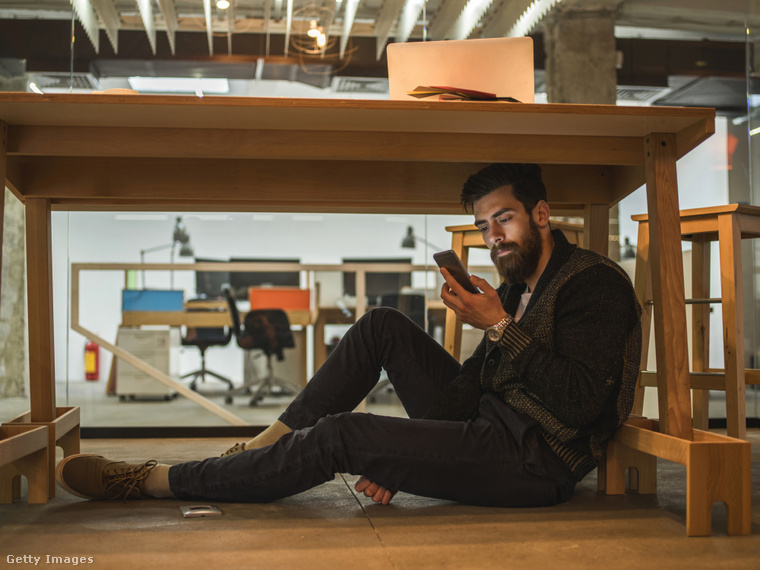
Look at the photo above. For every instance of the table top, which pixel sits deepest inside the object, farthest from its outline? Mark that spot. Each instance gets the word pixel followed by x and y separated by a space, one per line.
pixel 143 152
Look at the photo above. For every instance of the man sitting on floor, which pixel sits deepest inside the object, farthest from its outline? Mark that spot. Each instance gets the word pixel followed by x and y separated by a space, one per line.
pixel 525 418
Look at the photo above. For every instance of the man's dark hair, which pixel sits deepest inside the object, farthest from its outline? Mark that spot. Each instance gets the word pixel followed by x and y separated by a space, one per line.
pixel 525 180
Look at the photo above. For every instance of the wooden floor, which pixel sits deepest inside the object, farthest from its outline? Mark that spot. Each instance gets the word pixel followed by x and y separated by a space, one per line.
pixel 330 527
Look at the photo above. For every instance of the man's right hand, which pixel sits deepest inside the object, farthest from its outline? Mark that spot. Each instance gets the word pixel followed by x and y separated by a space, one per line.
pixel 377 493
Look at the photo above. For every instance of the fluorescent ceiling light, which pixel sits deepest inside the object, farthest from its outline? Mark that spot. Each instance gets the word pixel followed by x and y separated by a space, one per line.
pixel 140 217
pixel 211 85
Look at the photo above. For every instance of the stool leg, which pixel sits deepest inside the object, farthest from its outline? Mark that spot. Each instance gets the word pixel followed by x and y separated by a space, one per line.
pixel 643 286
pixel 731 291
pixel 700 326
pixel 453 335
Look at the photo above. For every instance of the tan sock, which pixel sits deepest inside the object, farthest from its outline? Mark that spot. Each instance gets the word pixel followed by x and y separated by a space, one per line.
pixel 268 436
pixel 156 484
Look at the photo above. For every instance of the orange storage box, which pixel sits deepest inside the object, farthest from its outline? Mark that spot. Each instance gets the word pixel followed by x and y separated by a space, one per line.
pixel 286 298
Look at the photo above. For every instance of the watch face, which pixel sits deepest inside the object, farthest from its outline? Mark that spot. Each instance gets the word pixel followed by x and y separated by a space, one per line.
pixel 494 335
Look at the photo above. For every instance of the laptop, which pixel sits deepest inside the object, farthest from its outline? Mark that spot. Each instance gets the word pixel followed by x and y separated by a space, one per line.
pixel 503 66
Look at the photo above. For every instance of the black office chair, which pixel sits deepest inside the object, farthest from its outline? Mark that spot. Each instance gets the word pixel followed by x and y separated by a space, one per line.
pixel 413 306
pixel 267 330
pixel 203 338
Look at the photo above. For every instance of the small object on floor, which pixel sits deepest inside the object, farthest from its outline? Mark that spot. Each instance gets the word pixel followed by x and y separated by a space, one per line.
pixel 95 477
pixel 235 449
pixel 193 511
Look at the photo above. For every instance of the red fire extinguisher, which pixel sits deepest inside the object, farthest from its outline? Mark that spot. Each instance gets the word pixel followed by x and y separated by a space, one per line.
pixel 91 361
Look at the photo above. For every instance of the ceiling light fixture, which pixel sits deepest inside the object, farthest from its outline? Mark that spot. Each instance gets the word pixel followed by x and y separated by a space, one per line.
pixel 222 4
pixel 310 29
pixel 314 30
pixel 207 85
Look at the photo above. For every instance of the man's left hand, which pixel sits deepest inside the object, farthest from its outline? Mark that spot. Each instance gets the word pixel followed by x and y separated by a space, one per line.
pixel 480 310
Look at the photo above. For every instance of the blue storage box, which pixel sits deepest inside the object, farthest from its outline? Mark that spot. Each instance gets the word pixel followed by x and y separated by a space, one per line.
pixel 152 300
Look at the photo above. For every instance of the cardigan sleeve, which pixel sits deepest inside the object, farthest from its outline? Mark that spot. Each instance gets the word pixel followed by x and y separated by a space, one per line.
pixel 594 314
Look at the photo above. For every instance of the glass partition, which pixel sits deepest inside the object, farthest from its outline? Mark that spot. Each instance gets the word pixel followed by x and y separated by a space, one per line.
pixel 122 278
pixel 747 144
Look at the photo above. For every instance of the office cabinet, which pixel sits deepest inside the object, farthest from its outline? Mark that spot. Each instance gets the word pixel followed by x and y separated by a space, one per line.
pixel 158 348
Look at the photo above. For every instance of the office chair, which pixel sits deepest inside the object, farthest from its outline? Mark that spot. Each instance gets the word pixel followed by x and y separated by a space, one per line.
pixel 413 306
pixel 267 330
pixel 203 338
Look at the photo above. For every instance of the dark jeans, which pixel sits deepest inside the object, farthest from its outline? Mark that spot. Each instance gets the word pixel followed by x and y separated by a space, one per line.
pixel 499 459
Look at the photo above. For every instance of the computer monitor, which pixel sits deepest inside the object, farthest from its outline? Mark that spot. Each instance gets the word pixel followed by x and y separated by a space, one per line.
pixel 240 281
pixel 378 284
pixel 210 283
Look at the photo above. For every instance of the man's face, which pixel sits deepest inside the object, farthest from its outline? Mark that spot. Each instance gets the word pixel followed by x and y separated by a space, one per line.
pixel 510 233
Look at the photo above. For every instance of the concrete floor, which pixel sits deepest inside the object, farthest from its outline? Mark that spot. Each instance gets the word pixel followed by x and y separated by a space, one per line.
pixel 330 527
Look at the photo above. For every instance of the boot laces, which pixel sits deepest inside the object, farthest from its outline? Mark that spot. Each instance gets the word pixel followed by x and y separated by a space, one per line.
pixel 124 478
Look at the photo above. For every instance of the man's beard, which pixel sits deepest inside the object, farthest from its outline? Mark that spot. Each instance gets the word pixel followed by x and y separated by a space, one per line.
pixel 523 261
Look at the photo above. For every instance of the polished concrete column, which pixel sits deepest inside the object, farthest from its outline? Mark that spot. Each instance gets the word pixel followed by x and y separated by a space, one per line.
pixel 13 361
pixel 581 61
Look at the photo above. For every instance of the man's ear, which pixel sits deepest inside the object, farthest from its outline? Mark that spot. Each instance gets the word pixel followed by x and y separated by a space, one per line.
pixel 541 214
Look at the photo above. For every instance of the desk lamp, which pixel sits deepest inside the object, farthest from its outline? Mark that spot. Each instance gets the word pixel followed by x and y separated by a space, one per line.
pixel 410 240
pixel 179 236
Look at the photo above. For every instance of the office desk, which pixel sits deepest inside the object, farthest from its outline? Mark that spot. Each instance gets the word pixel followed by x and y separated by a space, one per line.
pixel 318 317
pixel 111 152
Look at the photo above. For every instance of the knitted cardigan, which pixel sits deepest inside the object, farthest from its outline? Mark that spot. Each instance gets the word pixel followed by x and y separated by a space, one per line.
pixel 570 363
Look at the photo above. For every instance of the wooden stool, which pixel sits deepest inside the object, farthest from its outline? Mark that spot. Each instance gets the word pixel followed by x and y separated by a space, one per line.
pixel 24 451
pixel 62 432
pixel 467 236
pixel 728 225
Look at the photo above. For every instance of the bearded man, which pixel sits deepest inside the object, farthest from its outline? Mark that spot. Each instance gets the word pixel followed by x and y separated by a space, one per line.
pixel 518 424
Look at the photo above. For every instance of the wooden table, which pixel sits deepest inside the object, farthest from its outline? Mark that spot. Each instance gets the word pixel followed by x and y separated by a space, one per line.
pixel 159 153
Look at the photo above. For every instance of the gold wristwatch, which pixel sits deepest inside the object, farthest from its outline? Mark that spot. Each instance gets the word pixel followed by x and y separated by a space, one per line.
pixel 494 332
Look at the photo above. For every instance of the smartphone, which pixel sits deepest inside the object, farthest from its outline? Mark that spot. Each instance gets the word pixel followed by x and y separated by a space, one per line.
pixel 453 265
pixel 192 511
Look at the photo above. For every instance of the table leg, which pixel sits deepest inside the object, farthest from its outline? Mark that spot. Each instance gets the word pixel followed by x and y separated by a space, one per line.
pixel 731 291
pixel 668 286
pixel 40 304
